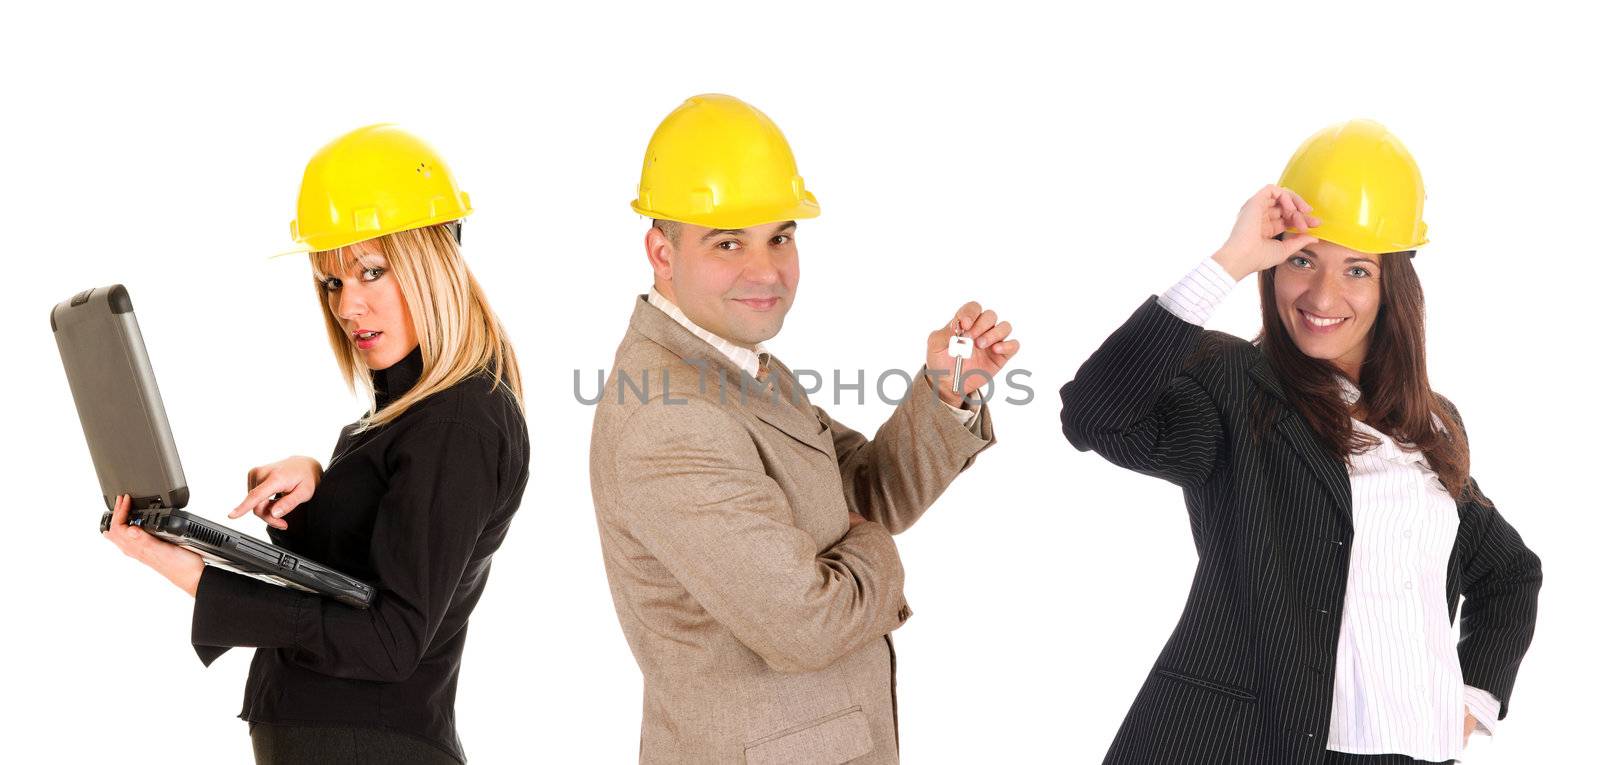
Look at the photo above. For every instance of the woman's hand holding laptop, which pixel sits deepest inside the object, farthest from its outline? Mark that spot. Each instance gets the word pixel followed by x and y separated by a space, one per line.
pixel 180 566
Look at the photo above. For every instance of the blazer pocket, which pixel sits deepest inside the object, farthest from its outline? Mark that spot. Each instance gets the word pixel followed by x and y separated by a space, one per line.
pixel 836 738
pixel 1232 691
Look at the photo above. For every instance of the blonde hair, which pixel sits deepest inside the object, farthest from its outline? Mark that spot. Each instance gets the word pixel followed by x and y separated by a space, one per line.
pixel 458 333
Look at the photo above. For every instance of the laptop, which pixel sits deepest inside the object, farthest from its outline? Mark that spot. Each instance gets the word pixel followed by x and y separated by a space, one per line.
pixel 131 444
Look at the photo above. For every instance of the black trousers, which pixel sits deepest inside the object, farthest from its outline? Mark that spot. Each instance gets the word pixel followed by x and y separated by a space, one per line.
pixel 312 745
pixel 1341 758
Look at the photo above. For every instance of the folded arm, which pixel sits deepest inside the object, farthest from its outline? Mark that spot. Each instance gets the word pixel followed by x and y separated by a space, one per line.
pixel 693 492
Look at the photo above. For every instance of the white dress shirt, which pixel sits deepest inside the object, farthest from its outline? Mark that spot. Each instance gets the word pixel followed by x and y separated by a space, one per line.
pixel 1397 686
pixel 754 361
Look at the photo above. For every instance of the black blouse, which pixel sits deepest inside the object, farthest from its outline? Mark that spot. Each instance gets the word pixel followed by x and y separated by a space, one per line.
pixel 417 507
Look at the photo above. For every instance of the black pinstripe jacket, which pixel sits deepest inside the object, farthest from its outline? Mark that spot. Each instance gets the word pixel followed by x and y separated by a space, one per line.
pixel 1247 676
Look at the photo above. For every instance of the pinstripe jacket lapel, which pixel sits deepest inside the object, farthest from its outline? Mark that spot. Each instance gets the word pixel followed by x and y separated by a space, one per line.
pixel 1333 477
pixel 1329 472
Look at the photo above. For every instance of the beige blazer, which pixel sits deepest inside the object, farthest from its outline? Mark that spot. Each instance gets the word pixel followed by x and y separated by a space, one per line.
pixel 759 619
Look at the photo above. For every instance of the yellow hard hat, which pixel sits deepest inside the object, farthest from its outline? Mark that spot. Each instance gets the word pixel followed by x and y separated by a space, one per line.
pixel 373 181
pixel 717 161
pixel 1363 184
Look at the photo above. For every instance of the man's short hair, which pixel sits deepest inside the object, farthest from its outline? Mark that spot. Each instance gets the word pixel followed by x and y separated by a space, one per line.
pixel 671 228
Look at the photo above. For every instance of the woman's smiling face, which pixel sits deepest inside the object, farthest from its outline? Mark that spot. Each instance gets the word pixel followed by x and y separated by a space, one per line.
pixel 1328 298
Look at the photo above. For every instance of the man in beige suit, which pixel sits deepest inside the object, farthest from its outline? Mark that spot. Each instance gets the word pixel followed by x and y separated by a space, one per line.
pixel 747 534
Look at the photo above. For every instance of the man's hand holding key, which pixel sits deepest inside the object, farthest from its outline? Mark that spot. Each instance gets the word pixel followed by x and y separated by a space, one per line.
pixel 990 349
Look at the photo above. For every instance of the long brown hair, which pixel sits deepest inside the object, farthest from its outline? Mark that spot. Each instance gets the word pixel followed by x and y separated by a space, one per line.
pixel 457 331
pixel 1394 380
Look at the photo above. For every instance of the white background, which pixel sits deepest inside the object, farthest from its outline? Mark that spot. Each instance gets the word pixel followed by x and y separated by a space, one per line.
pixel 1057 165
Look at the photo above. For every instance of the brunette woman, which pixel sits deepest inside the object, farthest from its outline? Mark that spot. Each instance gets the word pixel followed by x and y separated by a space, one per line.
pixel 1327 484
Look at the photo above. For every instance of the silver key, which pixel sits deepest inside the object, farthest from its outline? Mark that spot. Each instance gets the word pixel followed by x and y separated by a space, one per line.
pixel 960 349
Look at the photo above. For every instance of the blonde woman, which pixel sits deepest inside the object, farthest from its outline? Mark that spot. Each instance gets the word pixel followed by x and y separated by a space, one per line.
pixel 416 498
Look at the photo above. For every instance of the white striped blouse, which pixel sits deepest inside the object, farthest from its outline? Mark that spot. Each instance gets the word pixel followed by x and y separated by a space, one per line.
pixel 1397 686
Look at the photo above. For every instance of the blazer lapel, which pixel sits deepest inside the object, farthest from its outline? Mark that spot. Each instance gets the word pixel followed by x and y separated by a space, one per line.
pixel 1329 472
pixel 783 406
pixel 778 402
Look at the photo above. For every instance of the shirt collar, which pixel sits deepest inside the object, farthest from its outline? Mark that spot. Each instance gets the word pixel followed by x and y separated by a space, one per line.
pixel 1348 390
pixel 751 361
pixel 1387 447
pixel 393 382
